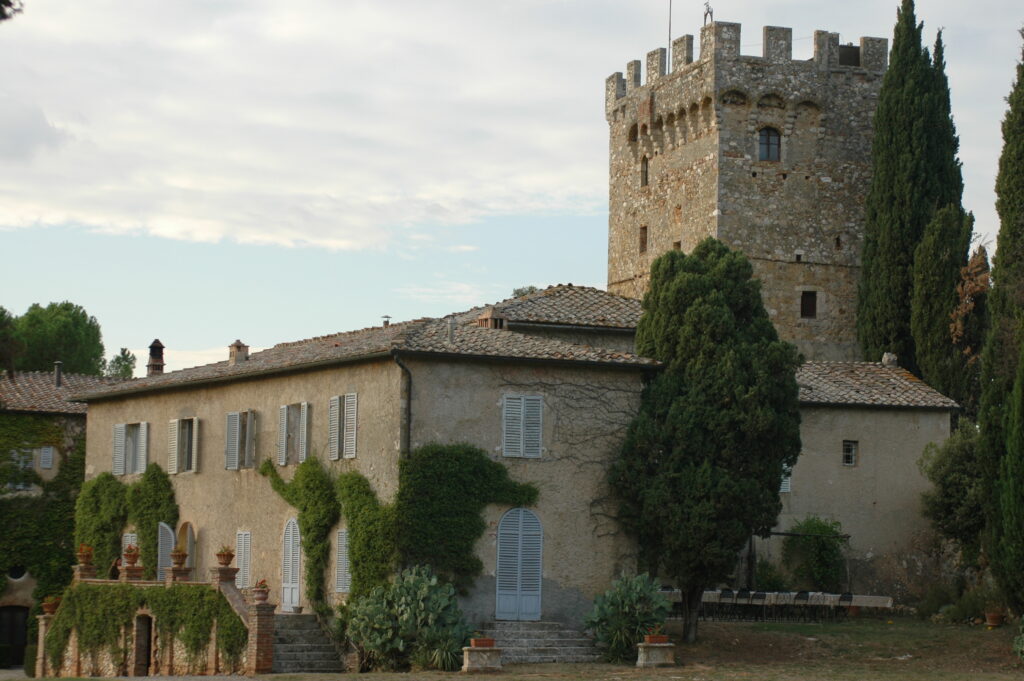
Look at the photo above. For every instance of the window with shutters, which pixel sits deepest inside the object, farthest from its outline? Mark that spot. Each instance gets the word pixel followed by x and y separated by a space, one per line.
pixel 240 440
pixel 522 425
pixel 341 427
pixel 183 445
pixel 129 539
pixel 342 569
pixel 293 429
pixel 23 460
pixel 243 559
pixel 787 480
pixel 130 448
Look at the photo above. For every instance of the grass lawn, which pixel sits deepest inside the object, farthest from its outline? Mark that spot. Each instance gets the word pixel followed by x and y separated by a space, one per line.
pixel 906 650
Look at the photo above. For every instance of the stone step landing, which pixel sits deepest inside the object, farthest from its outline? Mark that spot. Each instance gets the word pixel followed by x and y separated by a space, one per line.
pixel 535 642
pixel 300 646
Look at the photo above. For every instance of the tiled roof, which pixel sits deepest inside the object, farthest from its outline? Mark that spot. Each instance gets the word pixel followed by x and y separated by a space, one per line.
pixel 573 305
pixel 866 384
pixel 37 391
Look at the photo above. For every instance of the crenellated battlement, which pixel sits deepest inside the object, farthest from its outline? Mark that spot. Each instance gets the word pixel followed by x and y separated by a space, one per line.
pixel 720 40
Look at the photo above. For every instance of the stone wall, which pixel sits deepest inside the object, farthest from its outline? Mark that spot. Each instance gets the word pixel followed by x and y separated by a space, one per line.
pixel 799 218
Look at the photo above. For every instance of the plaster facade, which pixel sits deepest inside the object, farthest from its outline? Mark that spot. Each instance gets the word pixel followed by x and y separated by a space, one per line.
pixel 685 163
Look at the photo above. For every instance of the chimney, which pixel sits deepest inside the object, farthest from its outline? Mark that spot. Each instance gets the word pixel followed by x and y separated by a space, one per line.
pixel 491 319
pixel 889 360
pixel 387 320
pixel 451 329
pixel 237 352
pixel 58 367
pixel 156 358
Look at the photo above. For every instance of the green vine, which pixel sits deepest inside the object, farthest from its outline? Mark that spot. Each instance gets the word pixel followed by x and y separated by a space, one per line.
pixel 100 612
pixel 371 533
pixel 100 516
pixel 311 492
pixel 442 492
pixel 25 431
pixel 151 502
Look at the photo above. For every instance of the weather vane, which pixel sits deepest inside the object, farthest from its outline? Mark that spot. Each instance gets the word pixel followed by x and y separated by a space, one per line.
pixel 709 14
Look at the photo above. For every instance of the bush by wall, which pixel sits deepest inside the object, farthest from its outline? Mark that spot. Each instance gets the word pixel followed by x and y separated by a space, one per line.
pixel 150 502
pixel 623 614
pixel 816 561
pixel 371 533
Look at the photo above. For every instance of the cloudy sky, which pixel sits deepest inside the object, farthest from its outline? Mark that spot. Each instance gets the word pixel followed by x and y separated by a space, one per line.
pixel 206 170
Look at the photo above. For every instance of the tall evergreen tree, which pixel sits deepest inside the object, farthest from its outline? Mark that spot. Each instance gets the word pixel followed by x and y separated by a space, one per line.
pixel 1006 308
pixel 700 468
pixel 915 172
pixel 1008 553
pixel 938 261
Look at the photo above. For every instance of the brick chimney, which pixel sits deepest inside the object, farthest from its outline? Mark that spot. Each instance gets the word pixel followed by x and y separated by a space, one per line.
pixel 889 360
pixel 156 358
pixel 58 367
pixel 237 352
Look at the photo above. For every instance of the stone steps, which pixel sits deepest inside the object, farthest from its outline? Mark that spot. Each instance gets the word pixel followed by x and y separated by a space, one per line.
pixel 300 646
pixel 538 642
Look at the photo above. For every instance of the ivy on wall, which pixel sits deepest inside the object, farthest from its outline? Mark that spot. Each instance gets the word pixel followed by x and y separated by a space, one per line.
pixel 187 612
pixel 151 502
pixel 311 492
pixel 371 533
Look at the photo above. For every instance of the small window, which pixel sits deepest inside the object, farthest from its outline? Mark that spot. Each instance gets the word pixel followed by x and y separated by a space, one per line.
pixel 634 132
pixel 839 242
pixel 643 172
pixel 183 445
pixel 522 425
pixel 770 146
pixel 643 239
pixel 850 448
pixel 809 304
pixel 341 427
pixel 293 433
pixel 677 245
pixel 240 440
pixel 23 461
pixel 130 447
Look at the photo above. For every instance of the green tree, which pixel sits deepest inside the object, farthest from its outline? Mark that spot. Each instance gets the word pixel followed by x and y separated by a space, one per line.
pixel 121 365
pixel 1008 552
pixel 955 503
pixel 813 554
pixel 938 262
pixel 60 331
pixel 700 468
pixel 8 8
pixel 914 172
pixel 150 502
pixel 1005 304
pixel 10 346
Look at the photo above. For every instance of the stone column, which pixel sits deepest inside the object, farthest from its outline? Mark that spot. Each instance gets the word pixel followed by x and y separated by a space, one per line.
pixel 40 661
pixel 260 650
pixel 219 575
pixel 181 574
pixel 84 572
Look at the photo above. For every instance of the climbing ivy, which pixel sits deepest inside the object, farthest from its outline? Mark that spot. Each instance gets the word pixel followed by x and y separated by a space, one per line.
pixel 20 432
pixel 100 516
pixel 371 533
pixel 311 492
pixel 151 502
pixel 100 612
pixel 442 492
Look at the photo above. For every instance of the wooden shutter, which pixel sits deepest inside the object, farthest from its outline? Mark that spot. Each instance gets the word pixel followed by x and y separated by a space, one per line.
pixel 282 436
pixel 512 426
pixel 507 572
pixel 128 538
pixel 172 446
pixel 231 431
pixel 243 548
pixel 290 564
pixel 333 431
pixel 530 566
pixel 250 439
pixel 165 544
pixel 303 430
pixel 343 570
pixel 190 546
pixel 350 426
pixel 533 410
pixel 142 448
pixel 519 566
pixel 787 481
pixel 195 445
pixel 46 457
pixel 119 431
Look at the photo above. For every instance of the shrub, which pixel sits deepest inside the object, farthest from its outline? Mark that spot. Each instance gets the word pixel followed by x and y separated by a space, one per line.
pixel 936 598
pixel 1018 643
pixel 816 560
pixel 624 613
pixel 415 620
pixel 30 660
pixel 769 578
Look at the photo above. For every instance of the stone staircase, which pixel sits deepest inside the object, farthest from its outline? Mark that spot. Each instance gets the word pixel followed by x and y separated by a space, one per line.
pixel 532 642
pixel 301 647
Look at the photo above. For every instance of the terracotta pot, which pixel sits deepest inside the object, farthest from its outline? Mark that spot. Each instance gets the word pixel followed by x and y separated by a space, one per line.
pixel 483 642
pixel 84 557
pixel 50 608
pixel 656 638
pixel 260 595
pixel 225 558
pixel 131 559
pixel 854 611
pixel 994 618
pixel 178 558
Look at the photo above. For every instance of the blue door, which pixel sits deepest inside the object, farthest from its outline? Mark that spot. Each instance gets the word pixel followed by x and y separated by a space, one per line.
pixel 518 574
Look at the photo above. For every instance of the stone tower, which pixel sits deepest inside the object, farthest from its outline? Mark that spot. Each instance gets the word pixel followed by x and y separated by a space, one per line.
pixel 768 154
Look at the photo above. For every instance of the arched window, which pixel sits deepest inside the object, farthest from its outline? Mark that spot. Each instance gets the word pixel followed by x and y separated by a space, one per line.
pixel 634 133
pixel 770 145
pixel 643 172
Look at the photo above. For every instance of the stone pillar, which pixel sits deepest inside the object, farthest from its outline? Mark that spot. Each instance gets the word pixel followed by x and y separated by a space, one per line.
pixel 84 572
pixel 260 650
pixel 40 661
pixel 220 575
pixel 479 660
pixel 656 654
pixel 131 573
pixel 181 574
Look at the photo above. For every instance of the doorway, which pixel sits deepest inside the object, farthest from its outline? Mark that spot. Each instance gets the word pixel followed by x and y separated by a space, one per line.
pixel 519 564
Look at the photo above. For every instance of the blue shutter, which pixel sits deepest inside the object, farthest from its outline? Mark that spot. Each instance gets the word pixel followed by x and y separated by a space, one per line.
pixel 142 448
pixel 119 434
pixel 303 430
pixel 519 566
pixel 172 446
pixel 507 572
pixel 333 431
pixel 282 436
pixel 350 426
pixel 533 410
pixel 195 445
pixel 165 544
pixel 512 426
pixel 46 457
pixel 530 566
pixel 342 570
pixel 243 547
pixel 232 428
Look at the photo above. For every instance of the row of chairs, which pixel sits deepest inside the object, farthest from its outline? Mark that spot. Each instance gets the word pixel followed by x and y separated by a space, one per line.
pixel 760 606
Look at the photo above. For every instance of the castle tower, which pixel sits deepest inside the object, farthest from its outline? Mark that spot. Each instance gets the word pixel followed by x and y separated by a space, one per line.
pixel 768 154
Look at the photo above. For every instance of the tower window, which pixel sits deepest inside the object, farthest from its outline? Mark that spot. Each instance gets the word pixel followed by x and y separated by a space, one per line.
pixel 634 133
pixel 643 172
pixel 643 239
pixel 850 448
pixel 677 245
pixel 809 304
pixel 770 146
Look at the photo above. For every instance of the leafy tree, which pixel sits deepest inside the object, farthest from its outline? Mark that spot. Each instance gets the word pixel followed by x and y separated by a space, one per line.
pixel 1008 553
pixel 121 365
pixel 969 324
pixel 938 262
pixel 815 559
pixel 699 470
pixel 60 331
pixel 150 502
pixel 10 346
pixel 524 291
pixel 1005 303
pixel 8 8
pixel 915 171
pixel 955 504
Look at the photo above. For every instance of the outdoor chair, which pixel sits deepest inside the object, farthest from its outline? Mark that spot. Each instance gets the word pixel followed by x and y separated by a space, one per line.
pixel 758 606
pixel 843 605
pixel 801 606
pixel 742 604
pixel 726 601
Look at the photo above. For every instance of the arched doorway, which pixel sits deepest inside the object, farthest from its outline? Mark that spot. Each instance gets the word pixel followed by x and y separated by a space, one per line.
pixel 520 548
pixel 14 633
pixel 291 564
pixel 143 639
pixel 187 540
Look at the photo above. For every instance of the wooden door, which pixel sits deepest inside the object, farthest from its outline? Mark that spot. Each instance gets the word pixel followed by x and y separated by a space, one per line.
pixel 519 561
pixel 291 560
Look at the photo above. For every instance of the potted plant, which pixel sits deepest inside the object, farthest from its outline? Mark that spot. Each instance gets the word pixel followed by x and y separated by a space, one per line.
pixel 260 591
pixel 225 554
pixel 478 641
pixel 50 604
pixel 84 554
pixel 178 556
pixel 131 554
pixel 655 635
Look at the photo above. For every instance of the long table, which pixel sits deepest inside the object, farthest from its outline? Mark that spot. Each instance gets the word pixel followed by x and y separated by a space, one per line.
pixel 782 604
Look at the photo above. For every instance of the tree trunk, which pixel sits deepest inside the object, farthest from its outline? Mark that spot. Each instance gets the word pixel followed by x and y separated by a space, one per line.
pixel 691 609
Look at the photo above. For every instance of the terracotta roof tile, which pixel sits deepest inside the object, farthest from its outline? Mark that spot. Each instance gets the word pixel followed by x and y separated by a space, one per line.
pixel 36 391
pixel 867 384
pixel 574 305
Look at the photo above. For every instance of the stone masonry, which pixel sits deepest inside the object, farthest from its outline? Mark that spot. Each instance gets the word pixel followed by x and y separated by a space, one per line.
pixel 685 164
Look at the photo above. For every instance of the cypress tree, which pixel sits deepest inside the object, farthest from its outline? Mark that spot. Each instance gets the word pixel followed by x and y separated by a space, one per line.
pixel 1006 307
pixel 938 262
pixel 700 468
pixel 915 172
pixel 1008 552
